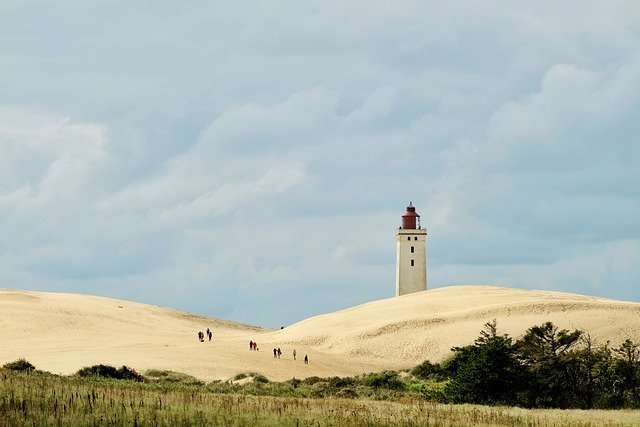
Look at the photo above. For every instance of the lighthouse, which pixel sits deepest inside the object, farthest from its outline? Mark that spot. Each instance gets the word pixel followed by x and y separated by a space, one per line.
pixel 411 250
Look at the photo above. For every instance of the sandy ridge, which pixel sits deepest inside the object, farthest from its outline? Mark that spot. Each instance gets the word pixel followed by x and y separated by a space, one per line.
pixel 63 332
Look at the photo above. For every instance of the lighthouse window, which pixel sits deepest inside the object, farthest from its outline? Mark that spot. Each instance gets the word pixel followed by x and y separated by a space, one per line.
pixel 415 238
pixel 411 263
pixel 412 249
pixel 408 237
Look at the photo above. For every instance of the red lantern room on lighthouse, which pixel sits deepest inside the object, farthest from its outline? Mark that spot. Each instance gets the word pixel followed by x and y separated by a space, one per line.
pixel 410 219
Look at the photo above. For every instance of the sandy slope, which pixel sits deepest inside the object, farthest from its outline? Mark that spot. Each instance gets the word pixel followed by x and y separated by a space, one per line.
pixel 63 332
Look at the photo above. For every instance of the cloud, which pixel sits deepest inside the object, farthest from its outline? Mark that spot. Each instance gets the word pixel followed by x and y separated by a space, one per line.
pixel 222 159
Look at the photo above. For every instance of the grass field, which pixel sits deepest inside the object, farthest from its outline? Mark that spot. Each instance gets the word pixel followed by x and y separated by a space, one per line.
pixel 48 400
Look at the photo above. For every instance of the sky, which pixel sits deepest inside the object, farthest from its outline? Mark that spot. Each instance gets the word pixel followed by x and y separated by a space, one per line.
pixel 251 160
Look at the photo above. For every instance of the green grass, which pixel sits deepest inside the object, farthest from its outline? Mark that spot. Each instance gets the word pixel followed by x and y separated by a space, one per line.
pixel 170 378
pixel 41 399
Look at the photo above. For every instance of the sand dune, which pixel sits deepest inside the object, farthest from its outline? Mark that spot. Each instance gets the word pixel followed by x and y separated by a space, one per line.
pixel 63 332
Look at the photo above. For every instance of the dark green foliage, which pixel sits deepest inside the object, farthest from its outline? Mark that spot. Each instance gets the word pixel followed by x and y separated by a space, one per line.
pixel 338 382
pixel 21 365
pixel 548 367
pixel 430 371
pixel 386 379
pixel 260 379
pixel 311 380
pixel 627 373
pixel 126 373
pixel 106 371
pixel 553 369
pixel 485 372
pixel 295 383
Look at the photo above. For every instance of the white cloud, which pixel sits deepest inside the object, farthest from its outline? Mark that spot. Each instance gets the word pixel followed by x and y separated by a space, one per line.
pixel 269 150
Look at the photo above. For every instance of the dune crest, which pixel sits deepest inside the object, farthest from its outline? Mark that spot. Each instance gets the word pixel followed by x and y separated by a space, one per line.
pixel 64 332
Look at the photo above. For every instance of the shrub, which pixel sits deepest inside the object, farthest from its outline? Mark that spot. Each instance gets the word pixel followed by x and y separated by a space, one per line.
pixel 295 383
pixel 312 380
pixel 21 365
pixel 157 373
pixel 260 379
pixel 320 389
pixel 106 371
pixel 386 379
pixel 415 387
pixel 427 370
pixel 171 377
pixel 126 373
pixel 337 382
pixel 434 391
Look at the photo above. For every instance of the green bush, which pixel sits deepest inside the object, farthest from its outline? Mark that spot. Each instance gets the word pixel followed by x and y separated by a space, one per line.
pixel 260 379
pixel 312 380
pixel 106 371
pixel 126 373
pixel 170 377
pixel 434 391
pixel 427 370
pixel 295 383
pixel 386 379
pixel 21 365
pixel 338 382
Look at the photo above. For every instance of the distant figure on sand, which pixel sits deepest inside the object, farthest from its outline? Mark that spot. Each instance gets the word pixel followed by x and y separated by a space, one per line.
pixel 279 352
pixel 209 334
pixel 306 359
pixel 275 353
pixel 294 354
pixel 251 345
pixel 201 336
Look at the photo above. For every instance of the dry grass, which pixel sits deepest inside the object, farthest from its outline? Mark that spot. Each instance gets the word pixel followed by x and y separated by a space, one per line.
pixel 40 399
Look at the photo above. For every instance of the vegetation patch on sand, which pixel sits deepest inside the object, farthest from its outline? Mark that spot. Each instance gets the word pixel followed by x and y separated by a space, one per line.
pixel 171 377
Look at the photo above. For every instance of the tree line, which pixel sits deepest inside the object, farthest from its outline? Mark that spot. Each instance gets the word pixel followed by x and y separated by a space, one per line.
pixel 547 368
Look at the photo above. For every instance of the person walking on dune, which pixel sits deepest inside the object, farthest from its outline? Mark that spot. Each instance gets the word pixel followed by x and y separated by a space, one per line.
pixel 294 354
pixel 275 353
pixel 251 345
pixel 279 353
pixel 306 359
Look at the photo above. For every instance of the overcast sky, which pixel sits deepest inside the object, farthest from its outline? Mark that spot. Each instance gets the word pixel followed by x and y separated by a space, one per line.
pixel 251 160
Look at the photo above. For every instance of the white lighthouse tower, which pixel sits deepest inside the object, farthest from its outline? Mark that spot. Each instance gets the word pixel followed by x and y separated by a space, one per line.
pixel 411 260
